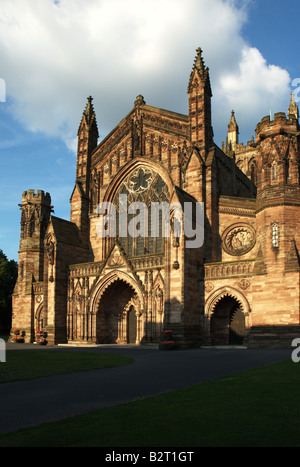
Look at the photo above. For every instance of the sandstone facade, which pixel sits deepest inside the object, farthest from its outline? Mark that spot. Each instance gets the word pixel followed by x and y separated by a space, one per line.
pixel 240 287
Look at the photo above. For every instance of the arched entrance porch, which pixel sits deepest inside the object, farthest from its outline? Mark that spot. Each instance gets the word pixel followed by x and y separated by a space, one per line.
pixel 227 318
pixel 118 314
pixel 227 325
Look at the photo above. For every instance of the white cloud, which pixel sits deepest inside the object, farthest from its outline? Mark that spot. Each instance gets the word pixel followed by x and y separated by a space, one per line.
pixel 255 89
pixel 55 54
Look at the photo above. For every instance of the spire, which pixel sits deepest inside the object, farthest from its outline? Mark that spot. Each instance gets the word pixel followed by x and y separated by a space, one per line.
pixel 199 91
pixel 87 141
pixel 232 124
pixel 293 111
pixel 199 62
pixel 89 114
pixel 233 133
pixel 199 69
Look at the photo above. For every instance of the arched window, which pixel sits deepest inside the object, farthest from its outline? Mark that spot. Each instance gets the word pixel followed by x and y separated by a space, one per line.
pixel 22 271
pixel 253 173
pixel 31 227
pixel 275 235
pixel 136 223
pixel 274 171
pixel 287 169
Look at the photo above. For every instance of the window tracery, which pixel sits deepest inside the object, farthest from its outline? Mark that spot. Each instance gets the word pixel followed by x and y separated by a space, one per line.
pixel 146 186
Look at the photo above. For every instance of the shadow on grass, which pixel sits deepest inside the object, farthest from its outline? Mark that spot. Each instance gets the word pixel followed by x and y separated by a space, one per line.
pixel 253 408
pixel 32 364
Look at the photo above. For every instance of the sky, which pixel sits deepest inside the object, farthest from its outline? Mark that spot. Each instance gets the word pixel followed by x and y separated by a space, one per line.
pixel 54 54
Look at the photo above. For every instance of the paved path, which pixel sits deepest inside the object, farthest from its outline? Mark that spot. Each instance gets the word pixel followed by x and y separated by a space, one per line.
pixel 154 372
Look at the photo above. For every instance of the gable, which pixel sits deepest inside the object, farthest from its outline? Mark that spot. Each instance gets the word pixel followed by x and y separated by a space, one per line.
pixel 117 260
pixel 145 131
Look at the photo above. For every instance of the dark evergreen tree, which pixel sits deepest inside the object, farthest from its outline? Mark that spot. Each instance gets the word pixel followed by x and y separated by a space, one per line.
pixel 8 277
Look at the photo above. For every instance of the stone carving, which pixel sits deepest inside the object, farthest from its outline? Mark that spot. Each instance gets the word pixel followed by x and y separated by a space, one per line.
pixel 94 188
pixel 209 287
pixel 244 284
pixel 116 260
pixel 238 239
pixel 50 249
pixel 159 297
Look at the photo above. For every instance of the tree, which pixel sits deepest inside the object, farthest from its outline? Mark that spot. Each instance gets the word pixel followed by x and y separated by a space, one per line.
pixel 8 277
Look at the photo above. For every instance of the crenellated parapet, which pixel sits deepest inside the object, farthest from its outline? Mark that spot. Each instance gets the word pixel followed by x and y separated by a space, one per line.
pixel 35 213
pixel 281 125
pixel 39 196
pixel 278 152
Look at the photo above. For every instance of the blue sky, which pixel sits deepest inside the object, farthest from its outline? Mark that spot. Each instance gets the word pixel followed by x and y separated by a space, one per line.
pixel 55 54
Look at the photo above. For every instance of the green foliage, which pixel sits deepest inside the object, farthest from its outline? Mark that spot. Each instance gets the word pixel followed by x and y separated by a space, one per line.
pixel 8 277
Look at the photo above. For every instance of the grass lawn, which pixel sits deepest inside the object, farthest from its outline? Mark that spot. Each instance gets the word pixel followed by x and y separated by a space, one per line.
pixel 32 364
pixel 253 408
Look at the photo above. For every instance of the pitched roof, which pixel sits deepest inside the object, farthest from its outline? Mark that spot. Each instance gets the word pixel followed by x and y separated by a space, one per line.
pixel 65 231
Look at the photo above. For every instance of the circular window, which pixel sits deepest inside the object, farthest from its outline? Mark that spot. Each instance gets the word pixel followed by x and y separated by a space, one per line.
pixel 238 239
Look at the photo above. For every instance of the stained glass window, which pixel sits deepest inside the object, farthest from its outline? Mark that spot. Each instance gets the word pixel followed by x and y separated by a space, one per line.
pixel 145 186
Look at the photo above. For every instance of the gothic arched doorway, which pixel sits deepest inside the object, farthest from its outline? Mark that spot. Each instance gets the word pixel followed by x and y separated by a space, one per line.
pixel 116 321
pixel 227 325
pixel 41 318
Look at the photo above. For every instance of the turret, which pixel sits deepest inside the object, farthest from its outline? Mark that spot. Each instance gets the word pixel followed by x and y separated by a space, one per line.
pixel 278 154
pixel 293 110
pixel 200 94
pixel 278 189
pixel 35 213
pixel 87 141
pixel 233 133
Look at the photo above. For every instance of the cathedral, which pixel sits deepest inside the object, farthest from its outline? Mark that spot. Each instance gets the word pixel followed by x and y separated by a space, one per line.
pixel 240 286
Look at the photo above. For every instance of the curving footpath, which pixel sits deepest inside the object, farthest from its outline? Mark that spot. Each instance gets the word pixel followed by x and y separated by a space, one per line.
pixel 30 403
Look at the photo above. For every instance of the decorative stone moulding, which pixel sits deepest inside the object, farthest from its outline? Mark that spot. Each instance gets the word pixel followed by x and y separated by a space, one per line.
pixel 238 239
pixel 209 287
pixel 244 284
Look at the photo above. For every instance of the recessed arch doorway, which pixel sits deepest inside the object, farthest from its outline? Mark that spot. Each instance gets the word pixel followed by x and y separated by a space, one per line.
pixel 118 320
pixel 227 313
pixel 227 326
